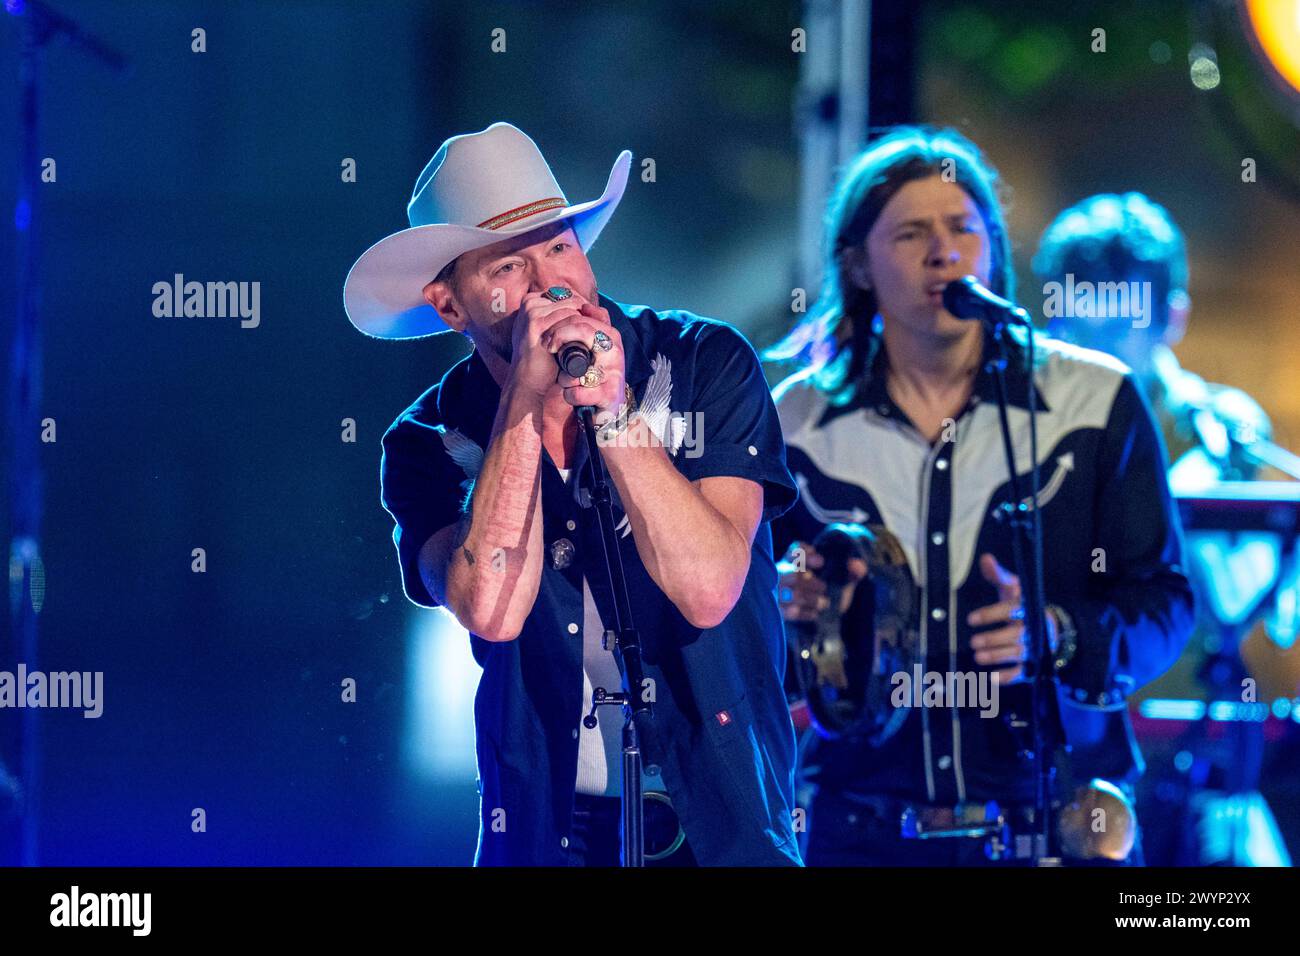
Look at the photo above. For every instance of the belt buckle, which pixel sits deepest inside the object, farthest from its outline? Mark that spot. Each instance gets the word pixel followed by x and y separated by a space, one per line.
pixel 965 820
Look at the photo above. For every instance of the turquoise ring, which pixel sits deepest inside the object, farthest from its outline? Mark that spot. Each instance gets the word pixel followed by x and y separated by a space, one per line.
pixel 557 293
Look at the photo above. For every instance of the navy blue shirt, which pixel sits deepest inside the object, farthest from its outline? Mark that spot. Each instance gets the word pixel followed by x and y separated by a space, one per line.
pixel 720 732
pixel 1112 554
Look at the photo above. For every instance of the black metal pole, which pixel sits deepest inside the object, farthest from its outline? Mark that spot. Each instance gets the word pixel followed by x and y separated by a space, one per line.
pixel 1027 531
pixel 23 430
pixel 635 702
pixel 39 25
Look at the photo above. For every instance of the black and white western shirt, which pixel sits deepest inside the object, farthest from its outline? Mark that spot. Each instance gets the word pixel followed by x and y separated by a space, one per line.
pixel 1112 555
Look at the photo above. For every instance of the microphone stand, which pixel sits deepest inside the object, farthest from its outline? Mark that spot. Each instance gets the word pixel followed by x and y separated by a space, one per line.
pixel 628 643
pixel 1027 536
pixel 40 25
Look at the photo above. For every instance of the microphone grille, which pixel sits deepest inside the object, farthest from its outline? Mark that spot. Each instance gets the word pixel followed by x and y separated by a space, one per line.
pixel 957 298
pixel 575 360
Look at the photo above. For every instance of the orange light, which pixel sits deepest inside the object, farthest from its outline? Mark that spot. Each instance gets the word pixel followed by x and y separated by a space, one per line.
pixel 1277 28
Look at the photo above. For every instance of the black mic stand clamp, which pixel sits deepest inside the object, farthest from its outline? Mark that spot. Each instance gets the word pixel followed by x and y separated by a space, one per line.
pixel 636 704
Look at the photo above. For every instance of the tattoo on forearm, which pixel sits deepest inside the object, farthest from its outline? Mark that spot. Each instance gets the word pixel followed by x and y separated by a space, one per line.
pixel 462 535
pixel 462 530
pixel 506 496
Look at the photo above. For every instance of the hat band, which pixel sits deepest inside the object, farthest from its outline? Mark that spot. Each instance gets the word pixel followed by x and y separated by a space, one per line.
pixel 523 212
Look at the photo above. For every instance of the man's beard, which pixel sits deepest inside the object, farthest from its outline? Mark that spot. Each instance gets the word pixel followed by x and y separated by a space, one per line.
pixel 502 346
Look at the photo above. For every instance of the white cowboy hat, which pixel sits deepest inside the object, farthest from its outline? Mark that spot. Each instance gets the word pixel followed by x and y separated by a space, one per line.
pixel 478 189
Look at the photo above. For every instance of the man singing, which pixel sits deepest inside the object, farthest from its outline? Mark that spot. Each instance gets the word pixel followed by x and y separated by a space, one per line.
pixel 487 480
pixel 893 424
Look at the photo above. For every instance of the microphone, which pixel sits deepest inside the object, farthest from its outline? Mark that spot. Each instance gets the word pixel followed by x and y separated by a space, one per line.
pixel 574 359
pixel 967 298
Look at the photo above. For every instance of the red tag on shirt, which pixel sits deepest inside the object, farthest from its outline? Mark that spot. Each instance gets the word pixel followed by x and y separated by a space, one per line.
pixel 724 718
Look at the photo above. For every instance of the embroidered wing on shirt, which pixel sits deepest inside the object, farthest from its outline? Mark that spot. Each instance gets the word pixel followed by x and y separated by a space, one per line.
pixel 464 451
pixel 670 429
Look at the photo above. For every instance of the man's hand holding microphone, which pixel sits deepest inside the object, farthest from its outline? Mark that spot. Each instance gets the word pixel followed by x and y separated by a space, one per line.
pixel 558 323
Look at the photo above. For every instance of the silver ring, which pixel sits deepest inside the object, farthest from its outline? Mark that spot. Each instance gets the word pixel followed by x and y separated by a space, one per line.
pixel 557 293
pixel 603 342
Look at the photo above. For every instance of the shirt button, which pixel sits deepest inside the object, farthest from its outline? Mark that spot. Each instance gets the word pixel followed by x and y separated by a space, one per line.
pixel 562 552
pixel 571 524
pixel 937 537
pixel 938 614
pixel 573 629
pixel 575 733
pixel 941 464
pixel 564 842
pixel 753 450
pixel 945 762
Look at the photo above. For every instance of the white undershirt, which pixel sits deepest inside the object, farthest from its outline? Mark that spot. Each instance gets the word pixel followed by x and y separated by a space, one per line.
pixel 599 749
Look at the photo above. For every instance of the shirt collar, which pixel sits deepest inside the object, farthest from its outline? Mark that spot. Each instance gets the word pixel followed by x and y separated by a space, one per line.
pixel 873 393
